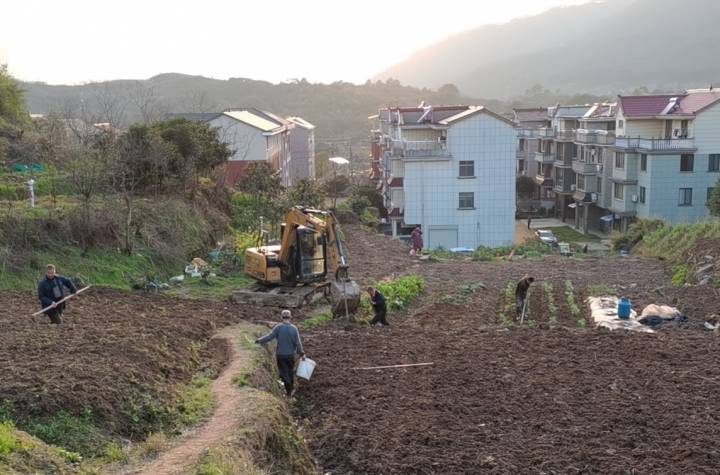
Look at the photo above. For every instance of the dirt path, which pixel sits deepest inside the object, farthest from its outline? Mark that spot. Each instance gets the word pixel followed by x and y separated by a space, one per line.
pixel 184 456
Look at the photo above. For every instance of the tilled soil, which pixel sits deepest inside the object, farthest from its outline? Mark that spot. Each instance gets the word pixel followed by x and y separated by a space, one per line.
pixel 118 353
pixel 553 397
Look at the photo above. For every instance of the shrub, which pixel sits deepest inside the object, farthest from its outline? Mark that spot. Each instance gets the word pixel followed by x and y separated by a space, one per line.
pixel 680 275
pixel 8 441
pixel 636 232
pixel 400 292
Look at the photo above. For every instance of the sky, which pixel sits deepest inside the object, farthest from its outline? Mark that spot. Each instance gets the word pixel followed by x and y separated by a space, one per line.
pixel 76 41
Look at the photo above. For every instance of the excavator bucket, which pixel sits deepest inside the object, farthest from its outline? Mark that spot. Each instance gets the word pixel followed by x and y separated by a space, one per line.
pixel 345 297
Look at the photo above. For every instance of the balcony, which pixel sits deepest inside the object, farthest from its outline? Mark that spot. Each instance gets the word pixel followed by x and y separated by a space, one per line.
pixel 420 149
pixel 528 133
pixel 655 145
pixel 544 180
pixel 546 133
pixel 562 163
pixel 565 135
pixel 561 188
pixel 524 155
pixel 544 157
pixel 594 137
pixel 585 168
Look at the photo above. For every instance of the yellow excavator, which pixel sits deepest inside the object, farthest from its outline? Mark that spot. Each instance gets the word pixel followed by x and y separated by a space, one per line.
pixel 309 263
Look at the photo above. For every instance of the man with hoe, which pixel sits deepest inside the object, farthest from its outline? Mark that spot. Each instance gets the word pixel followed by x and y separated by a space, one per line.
pixel 288 345
pixel 51 290
pixel 521 292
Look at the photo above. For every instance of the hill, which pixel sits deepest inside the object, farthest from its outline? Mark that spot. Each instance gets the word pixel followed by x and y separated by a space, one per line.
pixel 339 110
pixel 597 47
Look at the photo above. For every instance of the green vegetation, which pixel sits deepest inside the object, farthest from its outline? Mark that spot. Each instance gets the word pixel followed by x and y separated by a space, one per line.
pixel 400 292
pixel 636 233
pixel 8 442
pixel 224 461
pixel 75 434
pixel 550 299
pixel 533 250
pixel 680 275
pixel 216 288
pixel 569 235
pixel 672 242
pixel 601 290
pixel 196 402
pixel 316 320
pixel 507 305
pixel 572 301
pixel 462 293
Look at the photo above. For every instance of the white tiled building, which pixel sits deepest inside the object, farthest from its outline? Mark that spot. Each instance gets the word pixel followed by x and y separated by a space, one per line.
pixel 450 170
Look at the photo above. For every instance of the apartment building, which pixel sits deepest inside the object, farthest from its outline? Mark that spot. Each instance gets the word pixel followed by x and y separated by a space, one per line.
pixel 450 169
pixel 302 149
pixel 654 156
pixel 529 121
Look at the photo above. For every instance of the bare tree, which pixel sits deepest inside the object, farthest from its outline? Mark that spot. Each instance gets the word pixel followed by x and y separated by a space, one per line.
pixel 199 102
pixel 111 104
pixel 146 99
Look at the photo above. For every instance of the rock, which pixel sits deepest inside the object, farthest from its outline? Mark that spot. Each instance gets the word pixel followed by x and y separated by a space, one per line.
pixel 709 258
pixel 705 280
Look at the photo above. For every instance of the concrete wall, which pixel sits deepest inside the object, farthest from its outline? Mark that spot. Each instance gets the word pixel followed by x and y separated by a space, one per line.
pixel 248 142
pixel 432 187
pixel 302 153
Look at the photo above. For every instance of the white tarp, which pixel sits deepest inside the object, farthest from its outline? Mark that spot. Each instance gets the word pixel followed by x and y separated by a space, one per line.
pixel 604 314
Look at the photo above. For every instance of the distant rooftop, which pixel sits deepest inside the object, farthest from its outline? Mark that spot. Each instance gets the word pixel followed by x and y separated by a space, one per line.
pixel 685 103
pixel 538 114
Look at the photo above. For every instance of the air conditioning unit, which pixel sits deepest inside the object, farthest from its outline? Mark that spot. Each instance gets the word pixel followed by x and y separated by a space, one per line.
pixel 634 198
pixel 594 197
pixel 573 187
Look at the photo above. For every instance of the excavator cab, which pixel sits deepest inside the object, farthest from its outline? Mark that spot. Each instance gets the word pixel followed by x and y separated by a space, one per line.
pixel 310 256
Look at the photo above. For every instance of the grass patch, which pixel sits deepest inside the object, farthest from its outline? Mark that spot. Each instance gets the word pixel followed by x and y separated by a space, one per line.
pixel 680 275
pixel 569 235
pixel 225 462
pixel 601 290
pixel 108 269
pixel 534 250
pixel 317 320
pixel 507 305
pixel 216 288
pixel 8 442
pixel 196 402
pixel 75 434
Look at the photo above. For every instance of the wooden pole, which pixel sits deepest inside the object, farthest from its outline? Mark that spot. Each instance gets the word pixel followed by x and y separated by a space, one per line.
pixel 61 301
pixel 396 366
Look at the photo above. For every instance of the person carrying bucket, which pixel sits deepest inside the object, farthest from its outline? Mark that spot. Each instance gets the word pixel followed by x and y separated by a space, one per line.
pixel 289 345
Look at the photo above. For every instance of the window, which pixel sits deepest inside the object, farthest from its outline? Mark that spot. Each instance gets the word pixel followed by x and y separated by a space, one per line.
pixel 710 192
pixel 580 182
pixel 521 145
pixel 683 129
pixel 643 162
pixel 598 186
pixel 686 162
pixel 618 191
pixel 467 169
pixel 620 160
pixel 521 166
pixel 621 124
pixel 685 198
pixel 642 194
pixel 714 162
pixel 467 201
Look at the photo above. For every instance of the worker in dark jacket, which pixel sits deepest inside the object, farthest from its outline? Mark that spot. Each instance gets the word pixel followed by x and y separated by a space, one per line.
pixel 52 289
pixel 377 300
pixel 288 345
pixel 521 291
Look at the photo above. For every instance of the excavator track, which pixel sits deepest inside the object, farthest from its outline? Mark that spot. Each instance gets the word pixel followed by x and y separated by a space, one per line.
pixel 280 296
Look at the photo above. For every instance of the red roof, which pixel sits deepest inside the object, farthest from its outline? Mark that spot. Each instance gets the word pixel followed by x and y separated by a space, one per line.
pixel 396 183
pixel 695 102
pixel 645 106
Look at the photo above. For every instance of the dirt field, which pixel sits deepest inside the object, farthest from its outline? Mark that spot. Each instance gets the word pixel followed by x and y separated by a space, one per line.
pixel 117 353
pixel 548 398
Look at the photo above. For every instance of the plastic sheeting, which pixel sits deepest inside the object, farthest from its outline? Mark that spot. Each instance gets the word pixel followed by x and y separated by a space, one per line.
pixel 604 314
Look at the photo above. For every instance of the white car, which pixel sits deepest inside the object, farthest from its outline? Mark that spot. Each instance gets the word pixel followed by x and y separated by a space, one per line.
pixel 547 237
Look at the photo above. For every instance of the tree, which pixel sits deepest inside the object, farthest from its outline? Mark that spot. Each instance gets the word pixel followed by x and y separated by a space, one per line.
pixel 449 90
pixel 525 186
pixel 307 192
pixel 264 188
pixel 322 164
pixel 12 101
pixel 87 176
pixel 713 204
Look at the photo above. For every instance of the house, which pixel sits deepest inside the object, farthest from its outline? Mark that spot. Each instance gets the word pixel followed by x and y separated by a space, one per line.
pixel 260 136
pixel 666 156
pixel 450 169
pixel 529 121
pixel 302 149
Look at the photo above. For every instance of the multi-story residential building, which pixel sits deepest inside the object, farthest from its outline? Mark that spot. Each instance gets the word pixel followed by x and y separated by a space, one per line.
pixel 529 121
pixel 302 149
pixel 450 170
pixel 667 156
pixel 594 140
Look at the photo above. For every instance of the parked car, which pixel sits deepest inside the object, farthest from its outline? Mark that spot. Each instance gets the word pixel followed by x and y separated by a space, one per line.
pixel 547 236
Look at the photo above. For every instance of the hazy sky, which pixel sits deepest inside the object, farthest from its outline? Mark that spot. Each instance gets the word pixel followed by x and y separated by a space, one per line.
pixel 72 41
